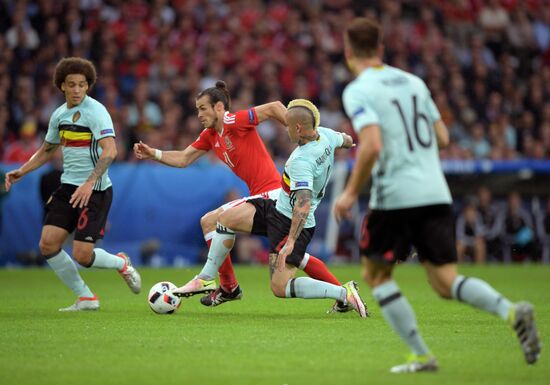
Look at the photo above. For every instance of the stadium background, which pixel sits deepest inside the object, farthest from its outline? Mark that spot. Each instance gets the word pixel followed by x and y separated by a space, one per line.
pixel 487 64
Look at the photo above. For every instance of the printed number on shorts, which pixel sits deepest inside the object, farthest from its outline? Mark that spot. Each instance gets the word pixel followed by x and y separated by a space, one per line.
pixel 83 219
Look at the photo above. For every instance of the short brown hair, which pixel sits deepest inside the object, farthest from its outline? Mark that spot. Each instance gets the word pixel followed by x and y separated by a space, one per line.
pixel 364 36
pixel 74 65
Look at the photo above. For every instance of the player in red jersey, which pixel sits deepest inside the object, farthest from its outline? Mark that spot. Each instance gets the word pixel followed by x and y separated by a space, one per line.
pixel 236 142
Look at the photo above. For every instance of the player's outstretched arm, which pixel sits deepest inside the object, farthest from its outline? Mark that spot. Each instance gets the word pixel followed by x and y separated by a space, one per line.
pixel 170 158
pixel 274 110
pixel 44 154
pixel 370 145
pixel 441 133
pixel 348 141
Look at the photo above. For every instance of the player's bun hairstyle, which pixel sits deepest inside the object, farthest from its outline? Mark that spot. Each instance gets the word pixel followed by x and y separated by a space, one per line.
pixel 219 93
pixel 364 37
pixel 72 66
pixel 304 103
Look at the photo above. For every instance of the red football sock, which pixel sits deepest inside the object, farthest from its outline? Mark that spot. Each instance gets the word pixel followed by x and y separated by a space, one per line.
pixel 228 281
pixel 317 269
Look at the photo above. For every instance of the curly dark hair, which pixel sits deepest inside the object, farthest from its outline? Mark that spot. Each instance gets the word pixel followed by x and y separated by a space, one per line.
pixel 74 65
pixel 219 93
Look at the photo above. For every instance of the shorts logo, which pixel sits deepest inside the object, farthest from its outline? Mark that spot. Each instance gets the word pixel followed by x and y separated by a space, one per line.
pixel 302 184
pixel 88 238
pixel 76 116
pixel 106 131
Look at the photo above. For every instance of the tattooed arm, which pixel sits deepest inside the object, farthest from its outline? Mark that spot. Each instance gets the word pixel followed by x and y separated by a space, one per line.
pixel 44 154
pixel 300 213
pixel 83 193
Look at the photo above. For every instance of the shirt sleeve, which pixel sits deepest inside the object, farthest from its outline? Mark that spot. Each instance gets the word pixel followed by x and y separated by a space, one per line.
pixel 301 175
pixel 245 120
pixel 359 109
pixel 202 142
pixel 102 124
pixel 336 138
pixel 52 135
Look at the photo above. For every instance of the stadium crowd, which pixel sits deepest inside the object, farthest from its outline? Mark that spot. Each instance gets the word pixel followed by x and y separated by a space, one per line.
pixel 486 62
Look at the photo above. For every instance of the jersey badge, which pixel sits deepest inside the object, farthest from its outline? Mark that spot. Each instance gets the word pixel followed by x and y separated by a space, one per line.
pixel 76 116
pixel 228 143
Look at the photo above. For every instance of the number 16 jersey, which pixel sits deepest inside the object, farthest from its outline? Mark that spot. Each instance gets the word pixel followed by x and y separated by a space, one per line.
pixel 408 171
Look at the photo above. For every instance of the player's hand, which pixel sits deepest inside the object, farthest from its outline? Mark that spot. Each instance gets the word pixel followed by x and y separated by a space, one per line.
pixel 343 205
pixel 143 151
pixel 283 253
pixel 348 141
pixel 12 177
pixel 82 194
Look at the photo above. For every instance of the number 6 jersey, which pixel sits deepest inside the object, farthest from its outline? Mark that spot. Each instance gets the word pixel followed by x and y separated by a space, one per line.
pixel 408 171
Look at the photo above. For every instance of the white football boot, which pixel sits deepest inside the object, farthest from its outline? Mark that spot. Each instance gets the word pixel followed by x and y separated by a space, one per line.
pixel 130 274
pixel 83 304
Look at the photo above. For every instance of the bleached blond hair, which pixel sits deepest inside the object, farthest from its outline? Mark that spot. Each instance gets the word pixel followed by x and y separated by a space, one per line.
pixel 304 103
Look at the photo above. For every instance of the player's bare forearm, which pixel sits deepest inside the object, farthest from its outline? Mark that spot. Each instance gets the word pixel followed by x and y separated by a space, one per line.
pixel 441 133
pixel 370 146
pixel 43 155
pixel 300 212
pixel 361 170
pixel 101 166
pixel 108 155
pixel 174 159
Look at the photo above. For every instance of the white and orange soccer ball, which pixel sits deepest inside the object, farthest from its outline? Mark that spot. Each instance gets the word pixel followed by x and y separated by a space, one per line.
pixel 161 300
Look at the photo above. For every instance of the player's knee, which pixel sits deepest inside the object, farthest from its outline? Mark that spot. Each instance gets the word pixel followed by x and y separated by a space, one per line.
pixel 443 291
pixel 225 220
pixel 278 289
pixel 208 221
pixel 375 277
pixel 47 247
pixel 83 256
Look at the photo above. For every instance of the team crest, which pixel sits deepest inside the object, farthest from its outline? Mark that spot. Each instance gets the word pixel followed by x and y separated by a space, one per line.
pixel 228 143
pixel 76 116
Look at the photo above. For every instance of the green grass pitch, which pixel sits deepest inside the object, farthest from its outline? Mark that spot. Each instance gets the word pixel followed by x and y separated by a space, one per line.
pixel 259 340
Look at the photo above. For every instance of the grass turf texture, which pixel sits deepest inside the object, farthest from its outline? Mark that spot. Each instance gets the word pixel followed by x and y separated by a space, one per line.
pixel 258 340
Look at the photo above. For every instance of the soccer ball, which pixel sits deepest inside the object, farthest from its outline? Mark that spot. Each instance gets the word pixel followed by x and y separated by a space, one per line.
pixel 161 301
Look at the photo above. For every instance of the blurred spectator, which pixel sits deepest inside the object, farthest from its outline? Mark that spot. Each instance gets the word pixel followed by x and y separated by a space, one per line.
pixel 476 142
pixel 3 194
pixel 143 114
pixel 494 20
pixel 489 213
pixel 21 36
pixel 518 231
pixel 543 230
pixel 469 235
pixel 21 150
